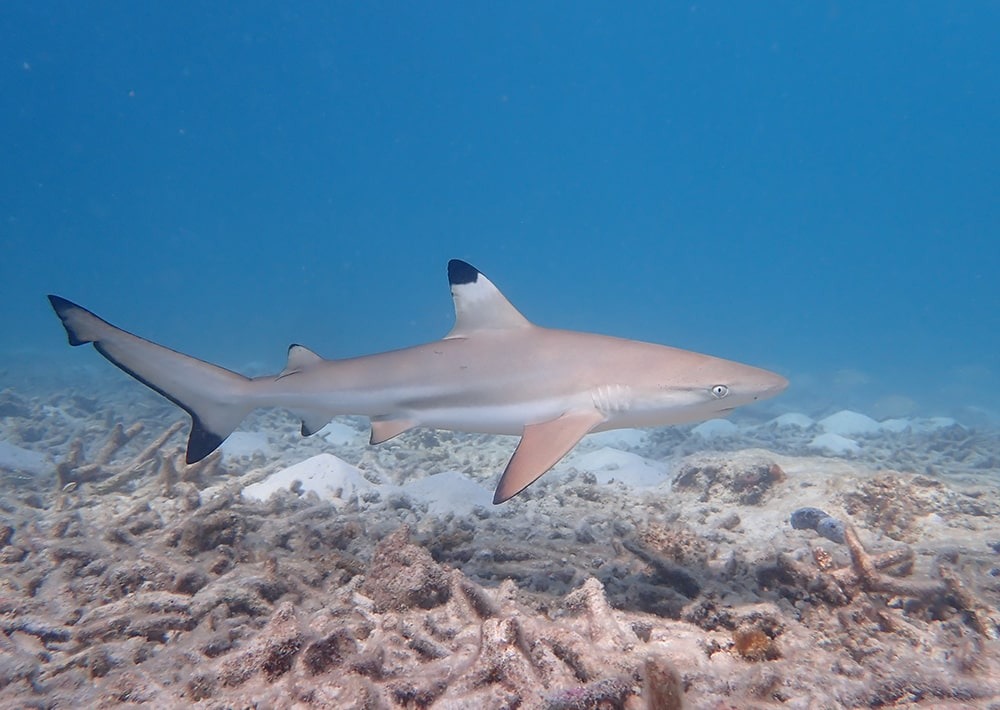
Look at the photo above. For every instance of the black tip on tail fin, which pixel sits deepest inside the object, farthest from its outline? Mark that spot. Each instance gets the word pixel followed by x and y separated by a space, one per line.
pixel 459 272
pixel 63 308
pixel 213 396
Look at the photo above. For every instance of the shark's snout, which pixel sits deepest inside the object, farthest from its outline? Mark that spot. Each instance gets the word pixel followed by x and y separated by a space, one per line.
pixel 771 385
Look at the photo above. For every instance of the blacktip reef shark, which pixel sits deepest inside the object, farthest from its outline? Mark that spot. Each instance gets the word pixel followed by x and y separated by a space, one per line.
pixel 494 373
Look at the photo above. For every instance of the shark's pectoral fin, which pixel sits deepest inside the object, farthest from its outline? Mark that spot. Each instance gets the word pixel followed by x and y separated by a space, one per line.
pixel 385 429
pixel 541 447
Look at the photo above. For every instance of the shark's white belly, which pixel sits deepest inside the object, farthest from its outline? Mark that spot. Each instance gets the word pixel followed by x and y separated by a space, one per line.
pixel 617 404
pixel 495 409
pixel 510 418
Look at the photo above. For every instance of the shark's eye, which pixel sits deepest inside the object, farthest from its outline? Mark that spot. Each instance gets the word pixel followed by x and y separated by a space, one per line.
pixel 719 391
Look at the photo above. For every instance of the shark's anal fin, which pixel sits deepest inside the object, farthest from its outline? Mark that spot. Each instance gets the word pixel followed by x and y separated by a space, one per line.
pixel 385 429
pixel 312 423
pixel 541 447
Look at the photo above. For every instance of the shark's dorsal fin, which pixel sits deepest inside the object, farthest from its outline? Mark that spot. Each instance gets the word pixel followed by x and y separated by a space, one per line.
pixel 479 305
pixel 299 358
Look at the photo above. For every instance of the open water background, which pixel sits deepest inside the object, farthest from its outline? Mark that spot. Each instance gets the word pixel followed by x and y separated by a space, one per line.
pixel 811 187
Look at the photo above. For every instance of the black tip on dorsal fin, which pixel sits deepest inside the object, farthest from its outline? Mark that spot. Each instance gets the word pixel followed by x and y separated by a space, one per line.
pixel 460 272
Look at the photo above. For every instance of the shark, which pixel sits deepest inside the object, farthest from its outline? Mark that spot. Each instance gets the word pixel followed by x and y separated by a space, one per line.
pixel 495 372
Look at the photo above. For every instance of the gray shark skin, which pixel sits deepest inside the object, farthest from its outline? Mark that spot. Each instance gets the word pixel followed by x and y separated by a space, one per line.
pixel 494 373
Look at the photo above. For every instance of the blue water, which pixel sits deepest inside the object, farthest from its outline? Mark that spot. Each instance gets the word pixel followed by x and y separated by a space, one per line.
pixel 811 187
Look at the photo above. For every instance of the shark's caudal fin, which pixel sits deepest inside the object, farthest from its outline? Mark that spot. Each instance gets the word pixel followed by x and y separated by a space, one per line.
pixel 213 396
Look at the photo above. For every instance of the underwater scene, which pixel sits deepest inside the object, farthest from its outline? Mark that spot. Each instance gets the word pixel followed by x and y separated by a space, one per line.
pixel 564 356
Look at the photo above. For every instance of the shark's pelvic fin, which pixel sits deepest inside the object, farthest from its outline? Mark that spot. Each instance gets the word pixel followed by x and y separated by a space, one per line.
pixel 479 305
pixel 541 447
pixel 385 429
pixel 213 396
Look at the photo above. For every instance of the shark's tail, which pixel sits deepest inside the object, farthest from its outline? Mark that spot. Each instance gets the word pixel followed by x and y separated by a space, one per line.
pixel 216 398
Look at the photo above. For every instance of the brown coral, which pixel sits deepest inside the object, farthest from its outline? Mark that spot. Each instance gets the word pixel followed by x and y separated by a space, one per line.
pixel 746 480
pixel 403 575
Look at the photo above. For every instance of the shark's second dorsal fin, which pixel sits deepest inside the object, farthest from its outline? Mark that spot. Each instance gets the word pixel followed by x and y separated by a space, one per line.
pixel 299 358
pixel 479 305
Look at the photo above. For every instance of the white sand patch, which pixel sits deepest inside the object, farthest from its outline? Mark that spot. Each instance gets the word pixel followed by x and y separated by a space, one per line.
pixel 896 426
pixel 340 434
pixel 795 420
pixel 14 458
pixel 244 444
pixel 333 479
pixel 445 492
pixel 329 477
pixel 715 427
pixel 618 438
pixel 845 423
pixel 835 444
pixel 609 464
pixel 917 426
pixel 932 424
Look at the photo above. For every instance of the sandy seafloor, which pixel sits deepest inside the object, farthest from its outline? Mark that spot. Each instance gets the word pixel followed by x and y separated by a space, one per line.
pixel 653 569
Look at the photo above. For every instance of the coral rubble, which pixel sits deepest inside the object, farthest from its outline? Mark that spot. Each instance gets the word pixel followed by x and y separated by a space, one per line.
pixel 129 579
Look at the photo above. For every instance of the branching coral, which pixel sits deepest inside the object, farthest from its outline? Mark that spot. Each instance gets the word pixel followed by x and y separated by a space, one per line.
pixel 108 475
